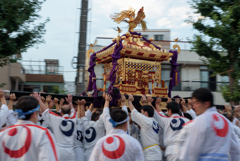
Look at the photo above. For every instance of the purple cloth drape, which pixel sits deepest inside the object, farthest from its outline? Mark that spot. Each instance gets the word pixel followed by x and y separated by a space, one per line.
pixel 112 75
pixel 174 75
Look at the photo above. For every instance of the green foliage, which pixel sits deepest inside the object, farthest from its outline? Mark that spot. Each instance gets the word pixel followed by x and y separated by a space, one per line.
pixel 228 95
pixel 19 28
pixel 58 91
pixel 2 85
pixel 219 38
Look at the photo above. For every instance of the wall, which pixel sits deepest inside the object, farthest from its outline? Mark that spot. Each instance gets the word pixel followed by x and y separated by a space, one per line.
pixel 152 32
pixel 9 73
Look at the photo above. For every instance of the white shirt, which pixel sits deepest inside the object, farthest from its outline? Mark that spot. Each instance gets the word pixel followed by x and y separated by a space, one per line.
pixel 3 114
pixel 134 131
pixel 149 133
pixel 37 142
pixel 11 119
pixel 74 114
pixel 106 117
pixel 211 137
pixel 64 132
pixel 117 146
pixel 192 113
pixel 171 127
pixel 93 131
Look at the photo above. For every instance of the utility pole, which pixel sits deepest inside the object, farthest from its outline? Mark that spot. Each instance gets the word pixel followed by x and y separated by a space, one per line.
pixel 80 78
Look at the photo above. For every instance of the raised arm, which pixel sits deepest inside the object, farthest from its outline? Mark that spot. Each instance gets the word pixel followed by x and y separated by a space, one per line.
pixel 10 103
pixel 69 100
pixel 48 99
pixel 42 105
pixel 157 104
pixel 149 101
pixel 61 103
pixel 130 100
pixel 82 111
pixel 56 104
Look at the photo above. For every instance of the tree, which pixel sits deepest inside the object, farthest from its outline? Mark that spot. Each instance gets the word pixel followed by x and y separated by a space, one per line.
pixel 219 39
pixel 18 27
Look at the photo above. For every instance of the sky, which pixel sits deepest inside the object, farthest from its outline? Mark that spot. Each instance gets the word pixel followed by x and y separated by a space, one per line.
pixel 61 38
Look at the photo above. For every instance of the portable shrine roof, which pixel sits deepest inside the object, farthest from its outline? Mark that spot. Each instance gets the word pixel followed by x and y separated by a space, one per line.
pixel 135 46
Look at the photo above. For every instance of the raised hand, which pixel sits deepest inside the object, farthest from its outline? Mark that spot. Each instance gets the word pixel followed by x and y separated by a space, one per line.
pixel 108 97
pixel 169 100
pixel 37 96
pixel 12 96
pixel 130 98
pixel 55 100
pixel 158 101
pixel 48 98
pixel 149 99
pixel 69 98
pixel 143 100
pixel 43 99
pixel 177 100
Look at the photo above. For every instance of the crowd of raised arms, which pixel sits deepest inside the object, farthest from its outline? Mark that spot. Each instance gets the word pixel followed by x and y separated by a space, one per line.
pixel 192 131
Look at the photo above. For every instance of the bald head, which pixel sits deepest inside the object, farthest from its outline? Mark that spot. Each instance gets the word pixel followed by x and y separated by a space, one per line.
pixel 65 109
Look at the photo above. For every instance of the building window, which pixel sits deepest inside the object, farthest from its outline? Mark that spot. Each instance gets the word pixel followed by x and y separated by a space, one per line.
pixel 145 36
pixel 207 81
pixel 50 89
pixel 158 37
pixel 165 75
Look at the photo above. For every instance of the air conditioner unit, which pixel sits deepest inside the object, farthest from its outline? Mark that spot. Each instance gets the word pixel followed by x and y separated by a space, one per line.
pixel 187 88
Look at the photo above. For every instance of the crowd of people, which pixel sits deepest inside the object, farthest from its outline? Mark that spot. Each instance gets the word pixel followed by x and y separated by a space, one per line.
pixel 192 131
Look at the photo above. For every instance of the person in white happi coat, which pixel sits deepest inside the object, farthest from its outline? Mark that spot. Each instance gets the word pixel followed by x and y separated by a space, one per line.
pixel 212 136
pixel 117 145
pixel 171 126
pixel 149 131
pixel 63 130
pixel 26 141
pixel 4 109
pixel 105 116
pixel 93 130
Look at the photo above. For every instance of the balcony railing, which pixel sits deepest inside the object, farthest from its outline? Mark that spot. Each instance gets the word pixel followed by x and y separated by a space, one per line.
pixel 43 69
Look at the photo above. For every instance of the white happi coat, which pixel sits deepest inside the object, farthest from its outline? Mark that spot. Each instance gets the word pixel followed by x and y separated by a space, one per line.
pixel 117 146
pixel 93 131
pixel 106 117
pixel 171 127
pixel 64 132
pixel 26 141
pixel 11 118
pixel 211 138
pixel 149 133
pixel 74 114
pixel 3 114
pixel 134 131
pixel 78 141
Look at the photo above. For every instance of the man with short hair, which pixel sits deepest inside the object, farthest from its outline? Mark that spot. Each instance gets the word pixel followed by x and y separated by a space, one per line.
pixel 171 126
pixel 105 116
pixel 64 131
pixel 25 140
pixel 117 145
pixel 93 130
pixel 212 136
pixel 149 131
